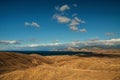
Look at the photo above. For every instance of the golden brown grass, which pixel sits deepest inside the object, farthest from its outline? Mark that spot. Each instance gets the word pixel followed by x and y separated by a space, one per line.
pixel 59 67
pixel 10 61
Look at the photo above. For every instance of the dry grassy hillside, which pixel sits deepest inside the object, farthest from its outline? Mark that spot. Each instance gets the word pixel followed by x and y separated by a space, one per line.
pixel 106 51
pixel 76 67
pixel 10 61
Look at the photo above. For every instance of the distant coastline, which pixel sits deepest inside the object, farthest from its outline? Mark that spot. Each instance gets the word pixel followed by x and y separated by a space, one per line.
pixel 51 53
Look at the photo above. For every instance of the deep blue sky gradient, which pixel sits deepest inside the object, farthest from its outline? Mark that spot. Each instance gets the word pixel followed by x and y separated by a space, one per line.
pixel 101 16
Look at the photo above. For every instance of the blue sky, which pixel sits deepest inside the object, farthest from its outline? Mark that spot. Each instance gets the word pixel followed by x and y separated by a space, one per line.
pixel 50 22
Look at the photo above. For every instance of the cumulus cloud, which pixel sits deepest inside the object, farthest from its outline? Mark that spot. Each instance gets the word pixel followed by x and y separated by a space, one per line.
pixel 83 30
pixel 39 45
pixel 72 21
pixel 97 42
pixel 74 28
pixel 74 43
pixel 61 19
pixel 75 23
pixel 57 45
pixel 109 34
pixel 32 45
pixel 9 42
pixel 32 24
pixel 79 20
pixel 64 8
pixel 111 41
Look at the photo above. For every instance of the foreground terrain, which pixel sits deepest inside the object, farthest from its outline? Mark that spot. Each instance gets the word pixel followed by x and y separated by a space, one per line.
pixel 18 66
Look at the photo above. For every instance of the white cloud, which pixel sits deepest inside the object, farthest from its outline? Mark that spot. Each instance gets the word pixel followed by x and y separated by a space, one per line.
pixel 32 24
pixel 110 42
pixel 74 28
pixel 106 42
pixel 75 23
pixel 38 45
pixel 27 24
pixel 9 42
pixel 79 20
pixel 83 30
pixel 74 43
pixel 109 34
pixel 32 45
pixel 52 44
pixel 64 8
pixel 61 19
pixel 77 43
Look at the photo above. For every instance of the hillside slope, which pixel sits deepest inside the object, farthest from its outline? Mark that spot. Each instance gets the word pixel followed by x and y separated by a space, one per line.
pixel 10 61
pixel 76 67
pixel 59 73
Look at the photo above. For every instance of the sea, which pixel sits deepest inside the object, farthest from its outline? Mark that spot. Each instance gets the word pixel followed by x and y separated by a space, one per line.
pixel 51 53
